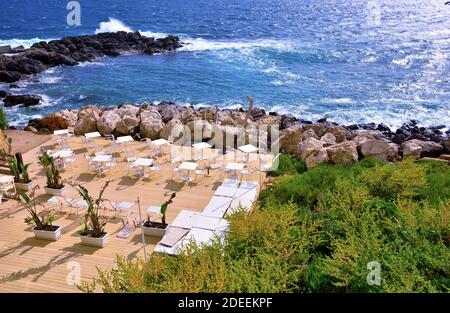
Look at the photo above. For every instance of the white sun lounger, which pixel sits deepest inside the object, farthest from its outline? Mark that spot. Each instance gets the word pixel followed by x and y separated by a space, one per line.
pixel 217 206
pixel 242 193
pixel 230 183
pixel 201 237
pixel 224 191
pixel 171 241
pixel 240 204
pixel 247 184
pixel 184 219
pixel 210 223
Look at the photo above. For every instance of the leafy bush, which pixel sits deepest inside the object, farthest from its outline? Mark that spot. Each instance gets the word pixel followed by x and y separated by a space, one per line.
pixel 288 165
pixel 54 179
pixel 317 232
pixel 3 119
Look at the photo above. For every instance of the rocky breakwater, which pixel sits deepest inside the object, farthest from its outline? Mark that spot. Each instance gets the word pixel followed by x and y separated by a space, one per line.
pixel 70 51
pixel 314 142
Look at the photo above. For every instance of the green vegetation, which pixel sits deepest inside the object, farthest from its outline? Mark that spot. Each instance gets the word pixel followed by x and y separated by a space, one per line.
pixel 3 119
pixel 316 231
pixel 40 221
pixel 93 225
pixel 54 179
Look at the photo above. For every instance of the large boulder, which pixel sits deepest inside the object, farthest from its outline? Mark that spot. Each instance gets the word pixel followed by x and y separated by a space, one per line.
pixel 328 139
pixel 107 123
pixel 308 146
pixel 87 123
pixel 25 100
pixel 90 110
pixel 447 145
pixel 383 150
pixel 269 120
pixel 287 120
pixel 420 148
pixel 168 112
pixel 290 138
pixel 316 158
pixel 201 130
pixel 240 118
pixel 151 123
pixel 186 114
pixel 172 130
pixel 224 118
pixel 344 153
pixel 310 133
pixel 128 125
pixel 71 116
pixel 340 133
pixel 128 110
pixel 319 128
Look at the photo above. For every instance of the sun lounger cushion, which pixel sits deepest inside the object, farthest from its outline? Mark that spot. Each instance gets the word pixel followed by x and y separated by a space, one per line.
pixel 217 206
pixel 184 219
pixel 172 236
pixel 210 223
pixel 248 184
pixel 230 183
pixel 199 236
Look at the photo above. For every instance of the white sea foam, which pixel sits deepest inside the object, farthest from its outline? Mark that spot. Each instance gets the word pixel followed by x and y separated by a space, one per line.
pixel 200 44
pixel 50 79
pixel 339 100
pixel 153 34
pixel 21 42
pixel 111 26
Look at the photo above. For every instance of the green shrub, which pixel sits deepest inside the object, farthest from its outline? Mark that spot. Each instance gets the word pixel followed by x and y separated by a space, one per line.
pixel 3 119
pixel 316 232
pixel 288 165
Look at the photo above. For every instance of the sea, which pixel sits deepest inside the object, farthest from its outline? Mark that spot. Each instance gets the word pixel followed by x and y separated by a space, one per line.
pixel 351 61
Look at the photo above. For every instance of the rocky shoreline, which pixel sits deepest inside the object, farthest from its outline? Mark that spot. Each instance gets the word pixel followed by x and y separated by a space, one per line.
pixel 70 51
pixel 314 142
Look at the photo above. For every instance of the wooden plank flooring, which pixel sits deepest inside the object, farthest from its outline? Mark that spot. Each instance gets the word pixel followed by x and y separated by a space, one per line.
pixel 31 265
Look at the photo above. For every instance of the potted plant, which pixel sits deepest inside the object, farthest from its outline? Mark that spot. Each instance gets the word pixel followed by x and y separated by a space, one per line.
pixel 20 172
pixel 155 228
pixel 55 185
pixel 42 226
pixel 93 231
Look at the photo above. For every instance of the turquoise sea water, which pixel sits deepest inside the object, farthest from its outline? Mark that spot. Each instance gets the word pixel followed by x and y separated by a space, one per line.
pixel 350 61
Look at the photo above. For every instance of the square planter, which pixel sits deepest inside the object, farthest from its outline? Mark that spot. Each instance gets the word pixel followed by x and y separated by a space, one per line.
pixel 56 192
pixel 48 235
pixel 95 242
pixel 24 186
pixel 154 231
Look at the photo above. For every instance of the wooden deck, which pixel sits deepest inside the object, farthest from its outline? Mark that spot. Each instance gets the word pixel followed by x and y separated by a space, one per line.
pixel 31 265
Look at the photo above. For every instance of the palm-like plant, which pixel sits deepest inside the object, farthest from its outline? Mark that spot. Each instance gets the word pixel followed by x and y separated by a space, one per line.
pixel 19 170
pixel 29 203
pixel 163 211
pixel 164 207
pixel 93 225
pixel 54 179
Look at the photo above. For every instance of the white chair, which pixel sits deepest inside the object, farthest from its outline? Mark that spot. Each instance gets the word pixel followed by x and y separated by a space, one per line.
pixel 175 169
pixel 88 158
pixel 97 149
pixel 130 156
pixel 65 145
pixel 8 187
pixel 111 163
pixel 155 168
pixel 101 170
pixel 248 171
pixel 138 171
